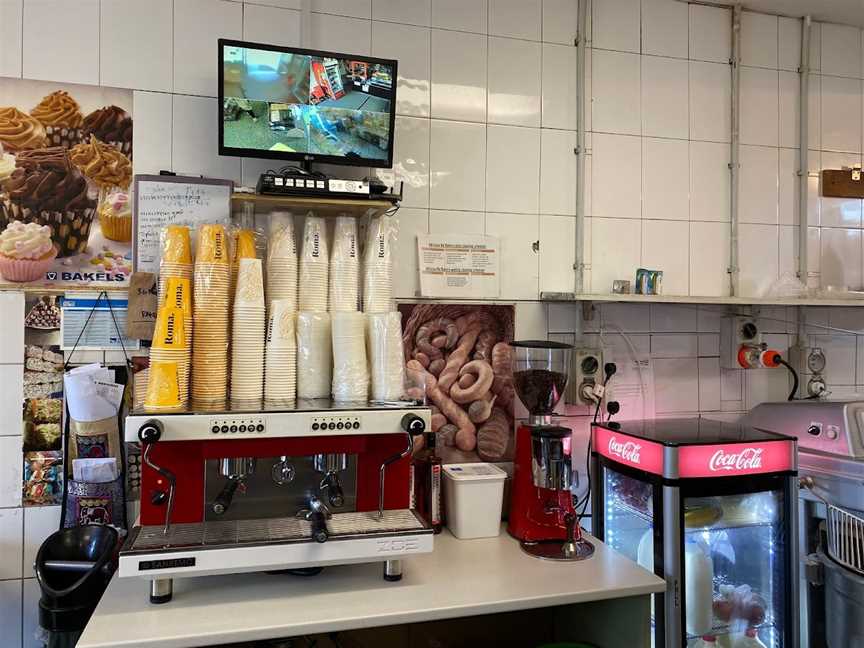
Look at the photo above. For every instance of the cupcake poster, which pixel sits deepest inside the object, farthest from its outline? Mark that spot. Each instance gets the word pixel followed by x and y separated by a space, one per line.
pixel 65 175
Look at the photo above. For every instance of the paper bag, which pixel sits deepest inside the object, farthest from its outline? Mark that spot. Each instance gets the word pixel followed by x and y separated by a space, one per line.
pixel 141 316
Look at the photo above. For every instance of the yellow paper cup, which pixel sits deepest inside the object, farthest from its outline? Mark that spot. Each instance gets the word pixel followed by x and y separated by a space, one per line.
pixel 163 389
pixel 170 331
pixel 212 244
pixel 176 246
pixel 245 245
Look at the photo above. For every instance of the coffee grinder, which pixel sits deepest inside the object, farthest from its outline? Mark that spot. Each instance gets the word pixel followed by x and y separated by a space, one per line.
pixel 542 513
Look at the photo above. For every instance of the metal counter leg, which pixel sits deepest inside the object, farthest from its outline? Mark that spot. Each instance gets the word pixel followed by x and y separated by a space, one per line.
pixel 161 590
pixel 393 570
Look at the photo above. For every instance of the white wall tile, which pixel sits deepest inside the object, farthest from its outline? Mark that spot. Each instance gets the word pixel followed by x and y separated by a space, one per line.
pixel 629 318
pixel 788 186
pixel 709 182
pixel 710 33
pixel 789 109
pixel 195 140
pixel 616 176
pixel 10 612
pixel 517 233
pixel 457 165
pixel 789 44
pixel 839 212
pixel 39 523
pixel 412 222
pixel 462 15
pixel 664 97
pixel 195 70
pixel 674 318
pixel 530 321
pixel 559 87
pixel 665 246
pixel 840 264
pixel 152 135
pixel 407 12
pixel 788 255
pixel 134 49
pixel 339 33
pixel 411 47
pixel 615 251
pixel 676 385
pixel 273 25
pixel 841 114
pixel 710 101
pixel 665 28
pixel 759 40
pixel 615 25
pixel 708 318
pixel 674 345
pixel 510 152
pixel 514 88
pixel 12 327
pixel 443 221
pixel 355 8
pixel 12 469
pixel 562 316
pixel 458 76
pixel 11 525
pixel 32 633
pixel 709 345
pixel 284 4
pixel 757 258
pixel 665 180
pixel 765 385
pixel 410 161
pixel 557 253
pixel 73 30
pixel 557 172
pixel 731 384
pixel 709 384
pixel 11 20
pixel 839 357
pixel 759 185
pixel 759 106
pixel 560 19
pixel 841 50
pixel 515 18
pixel 709 258
pixel 11 399
pixel 615 83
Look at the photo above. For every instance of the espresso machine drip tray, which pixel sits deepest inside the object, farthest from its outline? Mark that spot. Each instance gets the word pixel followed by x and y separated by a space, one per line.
pixel 223 533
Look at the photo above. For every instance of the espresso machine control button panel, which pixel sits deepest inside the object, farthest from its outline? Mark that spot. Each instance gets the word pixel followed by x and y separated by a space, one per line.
pixel 335 423
pixel 234 425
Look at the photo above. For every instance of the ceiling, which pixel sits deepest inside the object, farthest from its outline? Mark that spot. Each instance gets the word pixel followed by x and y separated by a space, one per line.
pixel 847 12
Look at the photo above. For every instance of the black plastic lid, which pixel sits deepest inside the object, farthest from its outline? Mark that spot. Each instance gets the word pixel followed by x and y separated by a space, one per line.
pixel 540 344
pixel 553 431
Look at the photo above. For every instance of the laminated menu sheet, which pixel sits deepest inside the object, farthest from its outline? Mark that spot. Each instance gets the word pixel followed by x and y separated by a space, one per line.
pixel 459 265
pixel 87 319
pixel 174 200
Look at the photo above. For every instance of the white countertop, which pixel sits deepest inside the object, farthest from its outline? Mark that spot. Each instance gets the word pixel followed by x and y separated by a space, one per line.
pixel 459 578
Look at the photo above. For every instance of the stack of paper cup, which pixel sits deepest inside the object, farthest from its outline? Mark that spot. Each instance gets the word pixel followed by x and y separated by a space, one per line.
pixel 350 372
pixel 314 357
pixel 247 337
pixel 282 261
pixel 344 265
pixel 386 359
pixel 178 295
pixel 210 315
pixel 243 247
pixel 280 374
pixel 378 266
pixel 176 257
pixel 314 265
pixel 168 366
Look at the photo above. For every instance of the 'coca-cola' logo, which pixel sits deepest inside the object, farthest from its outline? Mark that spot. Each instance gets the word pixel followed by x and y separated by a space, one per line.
pixel 747 459
pixel 627 450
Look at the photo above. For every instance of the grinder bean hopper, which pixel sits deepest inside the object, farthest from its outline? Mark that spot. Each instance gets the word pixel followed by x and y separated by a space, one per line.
pixel 542 514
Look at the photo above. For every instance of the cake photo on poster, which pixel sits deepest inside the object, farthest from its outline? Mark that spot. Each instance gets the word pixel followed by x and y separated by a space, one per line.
pixel 461 353
pixel 65 171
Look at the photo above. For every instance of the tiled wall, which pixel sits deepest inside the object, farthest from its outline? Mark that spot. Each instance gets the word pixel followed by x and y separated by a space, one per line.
pixel 658 182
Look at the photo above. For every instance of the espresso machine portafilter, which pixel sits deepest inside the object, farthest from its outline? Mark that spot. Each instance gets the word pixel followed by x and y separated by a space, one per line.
pixel 236 470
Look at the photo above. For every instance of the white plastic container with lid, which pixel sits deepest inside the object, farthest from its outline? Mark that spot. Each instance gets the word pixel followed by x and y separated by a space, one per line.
pixel 473 494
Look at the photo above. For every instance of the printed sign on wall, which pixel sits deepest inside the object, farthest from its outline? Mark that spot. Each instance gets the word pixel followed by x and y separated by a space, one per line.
pixel 65 171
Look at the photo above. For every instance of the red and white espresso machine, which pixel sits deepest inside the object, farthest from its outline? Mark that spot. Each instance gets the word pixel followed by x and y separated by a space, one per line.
pixel 297 488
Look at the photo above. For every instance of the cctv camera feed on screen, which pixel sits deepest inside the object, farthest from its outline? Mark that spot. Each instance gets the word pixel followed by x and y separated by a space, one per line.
pixel 297 103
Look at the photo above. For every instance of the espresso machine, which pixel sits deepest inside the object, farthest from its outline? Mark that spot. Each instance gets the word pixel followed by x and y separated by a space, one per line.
pixel 542 513
pixel 295 488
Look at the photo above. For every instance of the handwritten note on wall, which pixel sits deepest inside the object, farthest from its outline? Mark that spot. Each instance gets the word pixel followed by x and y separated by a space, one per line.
pixel 166 200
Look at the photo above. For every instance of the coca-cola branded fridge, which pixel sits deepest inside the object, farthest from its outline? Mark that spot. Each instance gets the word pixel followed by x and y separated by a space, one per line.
pixel 710 507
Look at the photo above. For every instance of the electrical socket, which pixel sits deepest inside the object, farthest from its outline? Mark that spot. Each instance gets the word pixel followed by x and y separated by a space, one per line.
pixel 735 332
pixel 586 372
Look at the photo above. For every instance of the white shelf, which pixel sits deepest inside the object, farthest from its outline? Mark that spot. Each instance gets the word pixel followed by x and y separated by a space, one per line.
pixel 686 299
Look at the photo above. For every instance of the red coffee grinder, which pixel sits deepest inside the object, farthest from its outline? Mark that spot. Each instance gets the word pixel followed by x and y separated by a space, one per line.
pixel 542 514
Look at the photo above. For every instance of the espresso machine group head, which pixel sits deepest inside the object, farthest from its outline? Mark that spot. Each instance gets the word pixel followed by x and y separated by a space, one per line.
pixel 542 513
pixel 290 489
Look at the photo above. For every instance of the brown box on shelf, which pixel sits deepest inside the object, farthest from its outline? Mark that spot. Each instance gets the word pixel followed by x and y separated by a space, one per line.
pixel 843 183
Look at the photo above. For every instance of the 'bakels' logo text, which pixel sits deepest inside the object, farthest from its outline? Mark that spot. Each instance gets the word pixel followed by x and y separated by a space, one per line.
pixel 627 450
pixel 747 459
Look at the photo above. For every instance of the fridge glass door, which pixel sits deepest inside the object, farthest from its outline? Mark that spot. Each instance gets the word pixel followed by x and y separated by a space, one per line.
pixel 734 560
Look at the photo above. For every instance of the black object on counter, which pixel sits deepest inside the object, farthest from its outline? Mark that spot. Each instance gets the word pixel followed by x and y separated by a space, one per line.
pixel 73 568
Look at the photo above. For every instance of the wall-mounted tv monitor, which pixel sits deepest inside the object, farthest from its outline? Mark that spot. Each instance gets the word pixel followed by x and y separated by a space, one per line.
pixel 307 105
